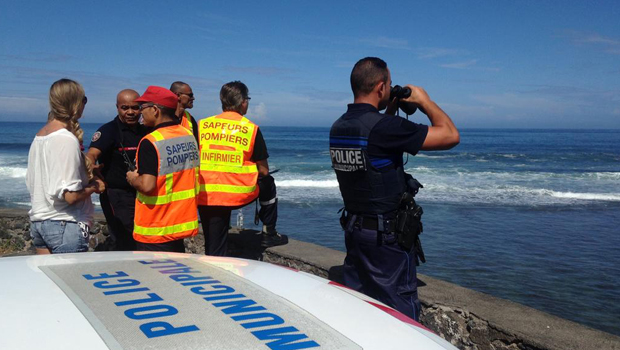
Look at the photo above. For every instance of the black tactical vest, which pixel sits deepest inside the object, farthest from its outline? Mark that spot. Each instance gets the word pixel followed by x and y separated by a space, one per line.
pixel 368 185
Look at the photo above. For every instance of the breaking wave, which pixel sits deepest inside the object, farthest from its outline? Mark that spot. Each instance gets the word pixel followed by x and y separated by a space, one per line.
pixel 12 172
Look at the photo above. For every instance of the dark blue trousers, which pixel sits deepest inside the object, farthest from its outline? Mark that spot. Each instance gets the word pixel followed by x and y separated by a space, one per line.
pixel 119 206
pixel 378 267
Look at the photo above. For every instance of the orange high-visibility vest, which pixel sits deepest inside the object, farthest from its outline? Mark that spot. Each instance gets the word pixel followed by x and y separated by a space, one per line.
pixel 186 121
pixel 169 212
pixel 228 177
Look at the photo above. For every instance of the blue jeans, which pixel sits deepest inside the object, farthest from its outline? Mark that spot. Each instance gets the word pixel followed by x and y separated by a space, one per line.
pixel 60 236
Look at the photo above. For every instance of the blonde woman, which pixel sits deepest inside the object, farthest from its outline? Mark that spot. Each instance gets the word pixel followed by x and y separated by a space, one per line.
pixel 58 179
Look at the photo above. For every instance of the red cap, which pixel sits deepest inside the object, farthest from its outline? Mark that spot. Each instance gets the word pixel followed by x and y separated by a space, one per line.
pixel 160 96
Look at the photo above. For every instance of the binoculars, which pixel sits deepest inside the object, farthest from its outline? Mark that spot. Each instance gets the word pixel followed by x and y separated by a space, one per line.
pixel 399 92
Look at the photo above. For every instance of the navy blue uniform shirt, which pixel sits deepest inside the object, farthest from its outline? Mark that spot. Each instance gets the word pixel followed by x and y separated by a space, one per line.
pixel 108 139
pixel 392 135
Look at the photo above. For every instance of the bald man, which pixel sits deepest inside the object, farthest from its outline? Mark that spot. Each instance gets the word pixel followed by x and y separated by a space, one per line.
pixel 114 146
pixel 185 101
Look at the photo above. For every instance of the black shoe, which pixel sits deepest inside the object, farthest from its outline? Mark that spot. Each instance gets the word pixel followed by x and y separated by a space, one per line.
pixel 271 238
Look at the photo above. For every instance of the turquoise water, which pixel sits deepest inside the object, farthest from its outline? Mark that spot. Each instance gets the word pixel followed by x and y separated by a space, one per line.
pixel 526 215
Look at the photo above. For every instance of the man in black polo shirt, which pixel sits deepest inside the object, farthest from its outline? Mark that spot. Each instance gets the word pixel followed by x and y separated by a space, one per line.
pixel 114 145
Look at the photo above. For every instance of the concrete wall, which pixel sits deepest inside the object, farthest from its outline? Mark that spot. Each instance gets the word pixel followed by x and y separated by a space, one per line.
pixel 468 319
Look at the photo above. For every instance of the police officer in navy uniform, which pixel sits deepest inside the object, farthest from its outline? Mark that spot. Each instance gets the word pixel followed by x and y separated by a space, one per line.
pixel 114 145
pixel 367 148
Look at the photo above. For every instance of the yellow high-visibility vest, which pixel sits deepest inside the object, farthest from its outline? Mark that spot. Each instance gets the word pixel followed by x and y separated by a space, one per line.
pixel 228 176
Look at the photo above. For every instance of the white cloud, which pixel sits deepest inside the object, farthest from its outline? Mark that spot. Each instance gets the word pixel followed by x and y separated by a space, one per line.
pixel 460 65
pixel 457 109
pixel 603 43
pixel 434 52
pixel 260 70
pixel 299 109
pixel 386 43
pixel 258 113
pixel 521 102
pixel 27 105
pixel 596 39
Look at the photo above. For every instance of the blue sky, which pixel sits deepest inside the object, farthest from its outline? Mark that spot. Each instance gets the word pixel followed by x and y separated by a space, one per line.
pixel 515 64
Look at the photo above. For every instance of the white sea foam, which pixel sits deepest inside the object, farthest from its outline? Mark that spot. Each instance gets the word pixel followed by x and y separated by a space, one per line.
pixel 604 175
pixel 307 183
pixel 508 195
pixel 435 156
pixel 588 196
pixel 441 185
pixel 511 155
pixel 461 185
pixel 12 172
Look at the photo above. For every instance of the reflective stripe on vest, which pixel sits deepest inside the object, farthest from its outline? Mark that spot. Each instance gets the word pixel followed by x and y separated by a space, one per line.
pixel 227 188
pixel 186 121
pixel 167 230
pixel 169 212
pixel 228 176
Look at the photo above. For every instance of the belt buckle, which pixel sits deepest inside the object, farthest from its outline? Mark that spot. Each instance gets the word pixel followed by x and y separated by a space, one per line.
pixel 386 226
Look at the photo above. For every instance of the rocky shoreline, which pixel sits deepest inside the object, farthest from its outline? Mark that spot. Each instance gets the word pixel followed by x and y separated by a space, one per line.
pixel 15 235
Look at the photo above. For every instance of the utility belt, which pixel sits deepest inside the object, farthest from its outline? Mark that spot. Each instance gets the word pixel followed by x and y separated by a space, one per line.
pixel 405 224
pixel 372 223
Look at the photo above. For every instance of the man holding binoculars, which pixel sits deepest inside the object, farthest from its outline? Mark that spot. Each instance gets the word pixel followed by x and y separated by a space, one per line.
pixel 366 148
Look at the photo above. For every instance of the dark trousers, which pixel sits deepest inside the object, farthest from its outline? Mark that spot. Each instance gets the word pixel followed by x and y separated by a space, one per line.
pixel 215 223
pixel 216 219
pixel 176 246
pixel 380 268
pixel 119 206
pixel 267 197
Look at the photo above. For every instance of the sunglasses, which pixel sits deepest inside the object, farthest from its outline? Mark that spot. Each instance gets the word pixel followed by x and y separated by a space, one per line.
pixel 191 95
pixel 146 105
pixel 134 107
pixel 84 100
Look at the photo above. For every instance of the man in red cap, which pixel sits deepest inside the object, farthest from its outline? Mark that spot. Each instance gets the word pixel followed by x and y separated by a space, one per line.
pixel 166 178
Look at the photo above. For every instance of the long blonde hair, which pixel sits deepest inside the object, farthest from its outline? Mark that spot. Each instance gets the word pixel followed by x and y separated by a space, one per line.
pixel 67 98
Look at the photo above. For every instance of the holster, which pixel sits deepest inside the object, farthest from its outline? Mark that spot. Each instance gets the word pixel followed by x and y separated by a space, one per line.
pixel 409 226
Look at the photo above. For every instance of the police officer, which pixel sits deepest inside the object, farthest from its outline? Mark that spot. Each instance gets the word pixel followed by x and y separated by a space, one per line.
pixel 366 148
pixel 114 145
pixel 185 101
pixel 233 170
pixel 166 178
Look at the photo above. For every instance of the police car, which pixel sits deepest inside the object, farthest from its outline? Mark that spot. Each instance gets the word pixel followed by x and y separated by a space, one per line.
pixel 143 300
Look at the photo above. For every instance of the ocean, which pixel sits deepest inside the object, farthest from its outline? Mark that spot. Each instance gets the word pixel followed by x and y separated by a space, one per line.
pixel 526 215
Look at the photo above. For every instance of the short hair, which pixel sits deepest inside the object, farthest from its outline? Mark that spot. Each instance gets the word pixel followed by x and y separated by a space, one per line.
pixel 167 111
pixel 176 86
pixel 366 74
pixel 232 96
